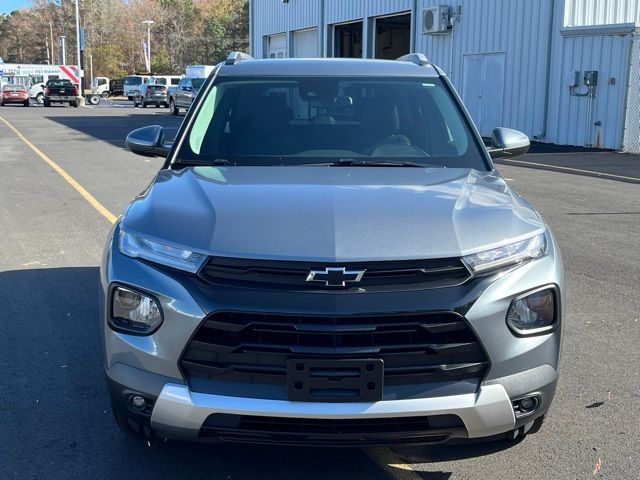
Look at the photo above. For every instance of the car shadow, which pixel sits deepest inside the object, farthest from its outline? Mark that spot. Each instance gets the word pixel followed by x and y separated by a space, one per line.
pixel 114 129
pixel 56 412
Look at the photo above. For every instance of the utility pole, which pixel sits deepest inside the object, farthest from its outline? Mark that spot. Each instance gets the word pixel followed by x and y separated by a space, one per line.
pixel 149 23
pixel 91 66
pixel 64 49
pixel 78 49
pixel 53 60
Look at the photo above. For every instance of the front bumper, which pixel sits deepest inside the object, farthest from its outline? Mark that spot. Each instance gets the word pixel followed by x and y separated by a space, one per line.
pixel 179 412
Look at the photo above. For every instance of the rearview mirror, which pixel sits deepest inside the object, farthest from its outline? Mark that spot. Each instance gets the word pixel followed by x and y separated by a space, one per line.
pixel 506 142
pixel 148 141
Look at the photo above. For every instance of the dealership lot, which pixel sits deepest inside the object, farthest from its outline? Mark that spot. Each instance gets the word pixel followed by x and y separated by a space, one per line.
pixel 55 407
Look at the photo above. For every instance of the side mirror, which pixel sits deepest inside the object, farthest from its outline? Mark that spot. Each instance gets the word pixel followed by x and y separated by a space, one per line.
pixel 148 141
pixel 506 142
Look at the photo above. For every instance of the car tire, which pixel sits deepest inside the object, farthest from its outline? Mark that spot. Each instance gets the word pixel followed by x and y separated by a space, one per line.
pixel 157 105
pixel 130 98
pixel 73 104
pixel 26 103
pixel 94 99
pixel 1 104
pixel 144 104
pixel 46 102
pixel 172 106
pixel 40 98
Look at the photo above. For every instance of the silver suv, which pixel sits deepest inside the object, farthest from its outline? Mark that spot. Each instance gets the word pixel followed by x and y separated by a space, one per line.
pixel 329 257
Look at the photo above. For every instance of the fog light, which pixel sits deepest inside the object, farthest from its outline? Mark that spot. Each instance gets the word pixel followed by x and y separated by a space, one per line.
pixel 534 313
pixel 525 406
pixel 137 402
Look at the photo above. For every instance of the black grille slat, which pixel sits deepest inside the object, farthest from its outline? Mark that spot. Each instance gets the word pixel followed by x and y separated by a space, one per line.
pixel 254 347
pixel 312 431
pixel 287 274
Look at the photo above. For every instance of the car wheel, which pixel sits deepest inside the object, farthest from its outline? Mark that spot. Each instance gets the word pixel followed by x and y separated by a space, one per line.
pixel 40 98
pixel 129 98
pixel 172 106
pixel 26 103
pixel 144 104
pixel 73 104
pixel 157 105
pixel 94 99
pixel 47 103
pixel 1 104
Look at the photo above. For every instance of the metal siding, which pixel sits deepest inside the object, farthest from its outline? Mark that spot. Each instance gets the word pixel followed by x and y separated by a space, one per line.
pixel 338 11
pixel 517 28
pixel 579 13
pixel 632 127
pixel 273 17
pixel 609 55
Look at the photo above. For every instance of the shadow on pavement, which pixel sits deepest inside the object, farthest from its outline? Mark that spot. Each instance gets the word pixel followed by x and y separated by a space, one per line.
pixel 115 128
pixel 55 409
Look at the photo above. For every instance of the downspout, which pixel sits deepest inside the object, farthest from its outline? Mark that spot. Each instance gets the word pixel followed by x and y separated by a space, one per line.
pixel 547 88
pixel 414 28
pixel 322 31
pixel 251 29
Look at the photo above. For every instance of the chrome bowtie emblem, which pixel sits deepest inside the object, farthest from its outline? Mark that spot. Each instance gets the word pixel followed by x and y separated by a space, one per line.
pixel 335 277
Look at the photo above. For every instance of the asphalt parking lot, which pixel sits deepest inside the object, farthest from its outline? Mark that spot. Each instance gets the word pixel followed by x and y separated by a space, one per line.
pixel 54 406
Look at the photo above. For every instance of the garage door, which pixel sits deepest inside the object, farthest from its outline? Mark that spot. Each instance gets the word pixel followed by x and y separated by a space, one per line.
pixel 277 46
pixel 305 43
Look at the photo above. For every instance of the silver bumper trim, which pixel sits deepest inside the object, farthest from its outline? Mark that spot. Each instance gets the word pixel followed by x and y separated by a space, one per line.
pixel 181 412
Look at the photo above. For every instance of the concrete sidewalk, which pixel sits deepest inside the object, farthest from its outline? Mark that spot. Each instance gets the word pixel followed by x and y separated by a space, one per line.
pixel 596 163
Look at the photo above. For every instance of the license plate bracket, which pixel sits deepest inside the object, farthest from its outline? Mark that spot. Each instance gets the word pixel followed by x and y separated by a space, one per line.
pixel 345 380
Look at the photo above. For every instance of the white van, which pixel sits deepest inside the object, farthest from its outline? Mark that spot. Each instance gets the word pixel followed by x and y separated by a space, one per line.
pixel 167 80
pixel 132 83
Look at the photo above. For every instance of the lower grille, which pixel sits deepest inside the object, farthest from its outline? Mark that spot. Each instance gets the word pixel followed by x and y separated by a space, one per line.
pixel 254 348
pixel 311 431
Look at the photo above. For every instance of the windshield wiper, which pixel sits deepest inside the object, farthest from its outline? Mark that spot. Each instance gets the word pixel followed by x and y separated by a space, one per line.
pixel 356 162
pixel 216 162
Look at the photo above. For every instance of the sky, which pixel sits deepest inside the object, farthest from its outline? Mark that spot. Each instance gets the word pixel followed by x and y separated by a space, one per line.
pixel 7 6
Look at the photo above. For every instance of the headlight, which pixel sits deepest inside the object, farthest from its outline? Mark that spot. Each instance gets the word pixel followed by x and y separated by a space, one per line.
pixel 534 313
pixel 134 312
pixel 501 257
pixel 162 253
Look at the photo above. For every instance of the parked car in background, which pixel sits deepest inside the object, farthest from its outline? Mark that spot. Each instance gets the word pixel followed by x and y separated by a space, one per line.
pixel 132 83
pixel 167 80
pixel 12 93
pixel 148 94
pixel 60 91
pixel 183 96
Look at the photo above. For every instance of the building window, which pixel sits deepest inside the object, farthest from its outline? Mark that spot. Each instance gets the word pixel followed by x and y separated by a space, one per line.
pixel 393 36
pixel 348 40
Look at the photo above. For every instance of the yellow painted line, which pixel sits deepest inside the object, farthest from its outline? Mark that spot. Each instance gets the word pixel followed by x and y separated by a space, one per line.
pixel 102 210
pixel 570 169
pixel 394 467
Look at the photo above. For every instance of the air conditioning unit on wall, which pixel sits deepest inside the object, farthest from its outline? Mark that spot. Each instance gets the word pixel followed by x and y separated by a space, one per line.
pixel 436 19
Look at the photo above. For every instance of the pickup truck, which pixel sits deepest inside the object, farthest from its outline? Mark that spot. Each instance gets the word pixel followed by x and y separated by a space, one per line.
pixel 60 91
pixel 183 95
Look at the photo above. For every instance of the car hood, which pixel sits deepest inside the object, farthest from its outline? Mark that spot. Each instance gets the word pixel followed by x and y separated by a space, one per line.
pixel 332 214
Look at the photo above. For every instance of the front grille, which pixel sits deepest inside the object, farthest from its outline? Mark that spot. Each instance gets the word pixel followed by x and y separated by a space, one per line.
pixel 254 348
pixel 443 272
pixel 313 431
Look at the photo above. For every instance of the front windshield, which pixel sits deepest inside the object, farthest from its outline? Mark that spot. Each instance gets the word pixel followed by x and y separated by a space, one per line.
pixel 132 80
pixel 197 82
pixel 309 120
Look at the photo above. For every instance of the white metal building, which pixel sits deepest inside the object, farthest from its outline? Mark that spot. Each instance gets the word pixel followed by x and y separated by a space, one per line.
pixel 516 63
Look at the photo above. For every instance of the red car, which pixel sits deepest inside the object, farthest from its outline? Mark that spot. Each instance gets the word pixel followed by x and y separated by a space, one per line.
pixel 14 94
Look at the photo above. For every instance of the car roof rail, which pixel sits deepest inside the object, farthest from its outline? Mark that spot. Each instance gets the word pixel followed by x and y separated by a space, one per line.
pixel 235 57
pixel 419 59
